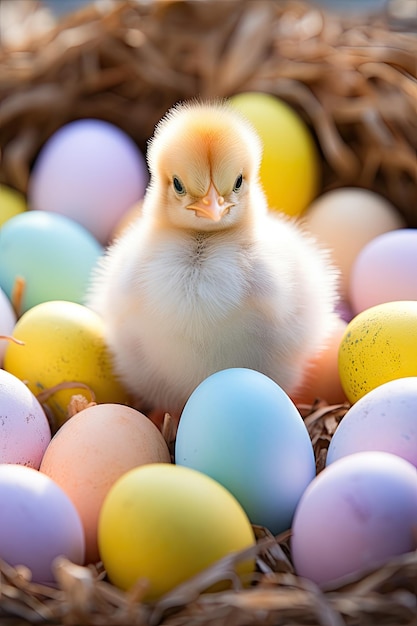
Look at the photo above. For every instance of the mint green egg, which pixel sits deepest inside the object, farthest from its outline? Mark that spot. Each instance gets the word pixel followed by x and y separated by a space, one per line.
pixel 53 255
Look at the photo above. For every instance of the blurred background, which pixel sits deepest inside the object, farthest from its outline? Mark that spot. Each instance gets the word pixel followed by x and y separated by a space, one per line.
pixel 402 7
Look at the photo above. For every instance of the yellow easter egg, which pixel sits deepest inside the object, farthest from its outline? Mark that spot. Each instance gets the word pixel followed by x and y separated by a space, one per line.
pixel 379 345
pixel 63 344
pixel 290 164
pixel 165 523
pixel 12 203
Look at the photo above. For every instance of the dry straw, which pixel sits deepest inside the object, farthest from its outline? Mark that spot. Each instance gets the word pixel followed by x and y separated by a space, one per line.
pixel 353 81
pixel 274 595
pixel 355 84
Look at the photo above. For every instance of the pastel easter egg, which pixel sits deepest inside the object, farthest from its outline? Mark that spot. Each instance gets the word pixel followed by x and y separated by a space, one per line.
pixel 163 524
pixel 239 427
pixel 385 270
pixel 379 345
pixel 64 353
pixel 52 254
pixel 289 151
pixel 92 450
pixel 356 515
pixel 24 428
pixel 38 523
pixel 91 171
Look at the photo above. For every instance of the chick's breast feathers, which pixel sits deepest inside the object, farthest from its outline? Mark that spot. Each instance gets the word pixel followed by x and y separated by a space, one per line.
pixel 206 277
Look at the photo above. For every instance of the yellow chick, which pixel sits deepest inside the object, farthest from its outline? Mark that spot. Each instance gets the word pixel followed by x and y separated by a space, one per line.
pixel 206 278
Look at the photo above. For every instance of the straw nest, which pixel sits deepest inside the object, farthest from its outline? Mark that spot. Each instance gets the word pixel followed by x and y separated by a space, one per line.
pixel 273 596
pixel 355 84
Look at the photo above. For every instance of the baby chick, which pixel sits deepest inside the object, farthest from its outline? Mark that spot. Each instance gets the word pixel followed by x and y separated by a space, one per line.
pixel 207 278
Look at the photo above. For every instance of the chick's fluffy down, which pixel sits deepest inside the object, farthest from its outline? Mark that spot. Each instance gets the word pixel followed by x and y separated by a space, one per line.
pixel 184 295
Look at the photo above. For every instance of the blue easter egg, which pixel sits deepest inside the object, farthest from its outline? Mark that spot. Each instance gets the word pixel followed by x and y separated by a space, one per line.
pixel 242 429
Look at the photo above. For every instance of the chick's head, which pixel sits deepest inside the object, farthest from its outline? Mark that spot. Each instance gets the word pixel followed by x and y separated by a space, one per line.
pixel 204 163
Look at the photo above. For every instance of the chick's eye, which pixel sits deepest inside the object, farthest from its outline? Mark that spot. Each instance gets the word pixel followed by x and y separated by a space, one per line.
pixel 178 186
pixel 238 183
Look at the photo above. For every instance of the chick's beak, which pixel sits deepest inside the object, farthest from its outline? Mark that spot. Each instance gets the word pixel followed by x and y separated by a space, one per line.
pixel 213 205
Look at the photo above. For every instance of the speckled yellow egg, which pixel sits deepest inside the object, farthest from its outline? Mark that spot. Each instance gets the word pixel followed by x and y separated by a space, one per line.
pixel 290 165
pixel 64 344
pixel 379 345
